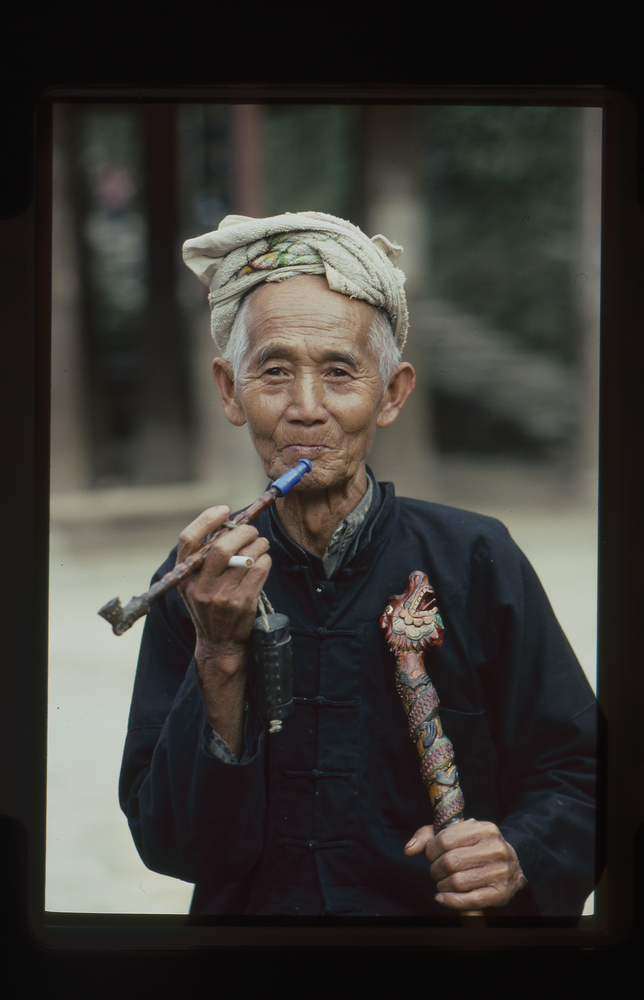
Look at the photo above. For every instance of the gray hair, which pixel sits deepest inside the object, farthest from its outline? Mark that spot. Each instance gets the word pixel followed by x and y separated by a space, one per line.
pixel 380 340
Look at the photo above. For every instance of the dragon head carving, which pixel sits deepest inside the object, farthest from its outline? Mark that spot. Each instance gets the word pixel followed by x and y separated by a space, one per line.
pixel 411 620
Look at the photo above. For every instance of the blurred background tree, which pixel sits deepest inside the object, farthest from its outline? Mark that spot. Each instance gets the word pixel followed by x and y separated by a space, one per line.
pixel 503 184
pixel 312 157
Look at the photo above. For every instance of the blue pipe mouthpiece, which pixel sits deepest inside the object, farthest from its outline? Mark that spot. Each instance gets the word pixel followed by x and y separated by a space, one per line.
pixel 292 477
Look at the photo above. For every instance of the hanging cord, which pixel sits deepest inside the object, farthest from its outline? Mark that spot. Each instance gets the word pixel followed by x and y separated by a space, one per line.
pixel 265 606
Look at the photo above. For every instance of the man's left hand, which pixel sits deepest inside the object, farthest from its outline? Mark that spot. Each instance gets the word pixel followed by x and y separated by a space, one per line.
pixel 471 864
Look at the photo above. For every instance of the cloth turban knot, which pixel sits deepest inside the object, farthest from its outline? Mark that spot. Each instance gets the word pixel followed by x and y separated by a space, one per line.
pixel 245 252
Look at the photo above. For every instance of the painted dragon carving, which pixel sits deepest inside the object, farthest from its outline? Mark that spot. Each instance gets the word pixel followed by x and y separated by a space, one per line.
pixel 412 624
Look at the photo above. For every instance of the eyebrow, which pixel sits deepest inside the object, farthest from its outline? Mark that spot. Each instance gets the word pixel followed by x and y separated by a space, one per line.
pixel 277 351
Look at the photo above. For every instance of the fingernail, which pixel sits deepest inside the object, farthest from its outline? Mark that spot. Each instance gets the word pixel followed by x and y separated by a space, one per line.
pixel 440 898
pixel 411 843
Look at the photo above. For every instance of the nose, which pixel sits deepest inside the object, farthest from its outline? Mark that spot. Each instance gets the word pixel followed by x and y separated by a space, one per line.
pixel 306 403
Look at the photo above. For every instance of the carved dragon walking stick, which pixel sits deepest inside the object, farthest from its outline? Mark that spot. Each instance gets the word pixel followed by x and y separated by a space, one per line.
pixel 412 624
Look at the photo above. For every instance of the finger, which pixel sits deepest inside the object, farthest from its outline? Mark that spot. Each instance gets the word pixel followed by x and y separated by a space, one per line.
pixel 240 541
pixel 228 543
pixel 248 583
pixel 492 886
pixel 480 855
pixel 235 590
pixel 237 544
pixel 192 535
pixel 479 899
pixel 240 562
pixel 493 874
pixel 468 833
pixel 255 548
pixel 419 841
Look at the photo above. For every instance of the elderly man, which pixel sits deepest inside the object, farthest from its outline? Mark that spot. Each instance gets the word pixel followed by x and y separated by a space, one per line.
pixel 330 815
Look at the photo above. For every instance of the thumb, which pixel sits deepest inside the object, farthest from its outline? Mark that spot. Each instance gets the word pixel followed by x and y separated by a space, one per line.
pixel 419 841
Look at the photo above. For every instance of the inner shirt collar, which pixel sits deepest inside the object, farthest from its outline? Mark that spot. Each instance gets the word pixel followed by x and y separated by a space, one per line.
pixel 346 531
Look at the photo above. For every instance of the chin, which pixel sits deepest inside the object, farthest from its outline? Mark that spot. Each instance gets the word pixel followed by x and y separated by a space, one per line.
pixel 325 479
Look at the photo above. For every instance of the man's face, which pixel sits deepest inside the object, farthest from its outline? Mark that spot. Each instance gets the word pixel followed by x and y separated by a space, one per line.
pixel 309 386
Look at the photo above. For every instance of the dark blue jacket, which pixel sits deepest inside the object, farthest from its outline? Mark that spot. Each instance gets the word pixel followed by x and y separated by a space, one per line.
pixel 316 818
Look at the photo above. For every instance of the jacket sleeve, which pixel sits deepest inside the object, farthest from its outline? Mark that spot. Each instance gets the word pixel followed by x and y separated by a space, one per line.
pixel 544 725
pixel 192 815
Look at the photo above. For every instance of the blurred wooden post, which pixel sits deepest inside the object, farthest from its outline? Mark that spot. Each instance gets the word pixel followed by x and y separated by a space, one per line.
pixel 396 206
pixel 245 139
pixel 70 458
pixel 586 290
pixel 225 455
pixel 163 449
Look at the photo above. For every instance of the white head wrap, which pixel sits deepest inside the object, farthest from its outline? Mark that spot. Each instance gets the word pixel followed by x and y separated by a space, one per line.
pixel 244 252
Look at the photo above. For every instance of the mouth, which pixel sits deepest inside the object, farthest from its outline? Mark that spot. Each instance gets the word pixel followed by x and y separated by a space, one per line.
pixel 424 601
pixel 306 450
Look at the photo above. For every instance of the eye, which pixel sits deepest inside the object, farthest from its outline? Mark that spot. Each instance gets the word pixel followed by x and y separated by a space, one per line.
pixel 338 372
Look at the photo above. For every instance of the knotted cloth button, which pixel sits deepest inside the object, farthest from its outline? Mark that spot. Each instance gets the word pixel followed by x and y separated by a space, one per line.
pixel 321 630
pixel 315 773
pixel 312 844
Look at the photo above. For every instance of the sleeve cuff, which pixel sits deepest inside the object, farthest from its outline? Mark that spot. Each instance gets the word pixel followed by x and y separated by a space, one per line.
pixel 220 749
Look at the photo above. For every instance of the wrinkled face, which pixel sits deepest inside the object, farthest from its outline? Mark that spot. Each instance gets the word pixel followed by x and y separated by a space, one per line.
pixel 309 386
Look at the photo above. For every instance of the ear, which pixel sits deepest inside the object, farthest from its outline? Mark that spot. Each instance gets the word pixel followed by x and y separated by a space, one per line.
pixel 399 388
pixel 223 375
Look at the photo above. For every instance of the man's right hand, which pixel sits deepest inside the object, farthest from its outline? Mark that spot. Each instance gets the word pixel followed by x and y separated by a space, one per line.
pixel 222 602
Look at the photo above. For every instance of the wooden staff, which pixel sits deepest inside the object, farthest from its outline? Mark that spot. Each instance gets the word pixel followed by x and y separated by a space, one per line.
pixel 412 624
pixel 121 619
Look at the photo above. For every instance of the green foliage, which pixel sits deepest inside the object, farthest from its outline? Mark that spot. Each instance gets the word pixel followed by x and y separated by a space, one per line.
pixel 503 189
pixel 109 144
pixel 309 158
pixel 112 136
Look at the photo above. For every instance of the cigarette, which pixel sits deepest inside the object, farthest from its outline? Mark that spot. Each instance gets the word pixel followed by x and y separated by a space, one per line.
pixel 241 561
